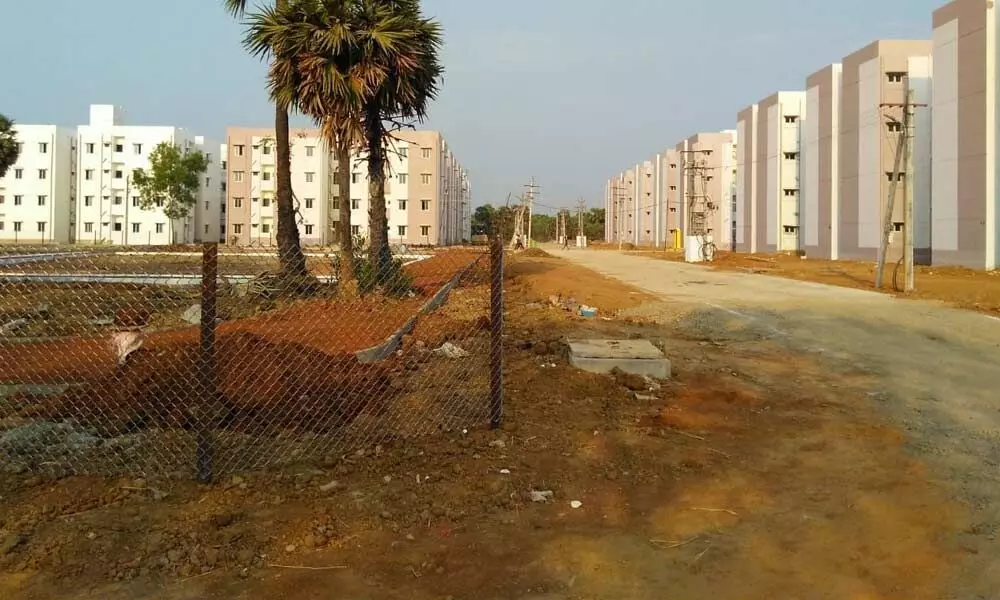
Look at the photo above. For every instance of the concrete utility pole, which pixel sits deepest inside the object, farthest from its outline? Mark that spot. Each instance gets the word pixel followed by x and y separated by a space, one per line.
pixel 581 206
pixel 530 190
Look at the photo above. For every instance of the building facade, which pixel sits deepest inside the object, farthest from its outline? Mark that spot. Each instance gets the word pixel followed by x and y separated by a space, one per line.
pixel 37 195
pixel 965 215
pixel 874 81
pixel 745 215
pixel 820 191
pixel 776 148
pixel 109 206
pixel 428 193
pixel 707 181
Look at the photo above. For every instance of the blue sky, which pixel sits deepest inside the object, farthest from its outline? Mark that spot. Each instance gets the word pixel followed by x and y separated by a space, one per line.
pixel 570 91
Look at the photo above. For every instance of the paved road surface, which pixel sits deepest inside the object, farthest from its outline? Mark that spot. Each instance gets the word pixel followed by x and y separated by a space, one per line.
pixel 938 367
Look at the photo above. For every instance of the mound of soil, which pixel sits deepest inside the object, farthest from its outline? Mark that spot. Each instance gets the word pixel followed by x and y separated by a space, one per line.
pixel 535 252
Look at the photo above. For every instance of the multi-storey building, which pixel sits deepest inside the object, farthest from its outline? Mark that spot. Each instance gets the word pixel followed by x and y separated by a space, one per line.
pixel 707 181
pixel 672 198
pixel 223 182
pixel 109 206
pixel 428 194
pixel 874 82
pixel 965 212
pixel 820 191
pixel 767 204
pixel 37 193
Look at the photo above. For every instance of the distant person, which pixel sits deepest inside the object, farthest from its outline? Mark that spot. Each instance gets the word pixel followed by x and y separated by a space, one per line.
pixel 519 243
pixel 565 242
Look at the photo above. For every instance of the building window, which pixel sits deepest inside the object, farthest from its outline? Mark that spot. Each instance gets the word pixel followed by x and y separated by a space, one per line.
pixel 354 177
pixel 42 200
pixel 791 155
pixel 309 177
pixel 118 200
pixel 401 230
pixel 335 204
pixel 355 204
pixel 899 176
pixel 897 226
pixel 237 202
pixel 17 225
pixel 425 230
pixel 895 76
pixel 206 229
pixel 238 176
pixel 41 227
pixel 790 228
pixel 43 148
pixel 135 201
pixel 265 228
pixel 266 202
pixel 207 204
pixel 266 176
pixel 119 174
pixel 425 178
pixel 790 192
pixel 402 152
pixel 137 148
pixel 88 227
pixel 425 205
pixel 18 173
pixel 239 149
pixel 1 226
pixel 88 200
pixel 237 228
pixel 135 228
pixel 791 119
pixel 208 181
pixel 355 229
pixel 88 174
pixel 402 177
pixel 402 205
pixel 159 228
pixel 117 226
pixel 119 147
pixel 425 152
pixel 309 202
pixel 90 150
pixel 266 149
pixel 673 209
pixel 309 229
pixel 894 126
pixel 310 150
pixel 18 199
pixel 2 199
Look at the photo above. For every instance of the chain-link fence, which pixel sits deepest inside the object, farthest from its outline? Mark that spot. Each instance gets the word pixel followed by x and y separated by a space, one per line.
pixel 202 361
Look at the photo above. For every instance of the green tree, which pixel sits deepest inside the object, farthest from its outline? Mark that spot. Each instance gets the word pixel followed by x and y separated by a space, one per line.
pixel 173 180
pixel 483 220
pixel 9 147
pixel 290 255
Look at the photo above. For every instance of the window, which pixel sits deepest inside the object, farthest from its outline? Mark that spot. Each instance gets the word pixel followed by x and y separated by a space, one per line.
pixel 88 227
pixel 894 126
pixel 1 225
pixel 673 209
pixel 309 229
pixel 355 204
pixel 208 181
pixel 899 176
pixel 897 226
pixel 17 226
pixel 117 226
pixel 135 200
pixel 790 192
pixel 895 76
pixel 335 204
pixel 88 174
pixel 790 228
pixel 309 177
pixel 402 177
pixel 266 202
pixel 42 200
pixel 354 177
pixel 18 173
pixel 791 155
pixel 18 199
pixel 238 176
pixel 159 203
pixel 119 174
pixel 425 178
pixel 43 148
pixel 224 163
pixel 309 202
pixel 137 148
pixel 266 176
pixel 237 202
pixel 237 228
pixel 239 149
pixel 88 200
pixel 119 147
pixel 208 205
pixel 90 150
pixel 425 230
pixel 402 205
pixel 401 230
pixel 43 173
pixel 402 152
pixel 41 227
pixel 266 149
pixel 425 205
pixel 425 152
pixel 673 188
pixel 791 119
pixel 310 150
pixel 206 229
pixel 159 228
pixel 135 227
pixel 2 199
pixel 118 200
pixel 355 229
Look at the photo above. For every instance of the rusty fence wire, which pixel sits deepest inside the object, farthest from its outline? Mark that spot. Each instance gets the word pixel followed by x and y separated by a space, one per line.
pixel 202 361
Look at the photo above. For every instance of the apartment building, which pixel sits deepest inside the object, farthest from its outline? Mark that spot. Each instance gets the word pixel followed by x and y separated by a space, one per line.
pixel 672 197
pixel 874 81
pixel 965 215
pixel 37 195
pixel 767 204
pixel 223 182
pixel 708 172
pixel 108 207
pixel 428 193
pixel 620 205
pixel 820 190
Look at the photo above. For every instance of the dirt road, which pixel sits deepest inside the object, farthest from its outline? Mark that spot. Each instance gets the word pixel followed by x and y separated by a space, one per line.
pixel 937 369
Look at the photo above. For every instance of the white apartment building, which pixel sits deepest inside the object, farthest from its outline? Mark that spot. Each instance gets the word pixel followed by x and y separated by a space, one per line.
pixel 108 207
pixel 37 193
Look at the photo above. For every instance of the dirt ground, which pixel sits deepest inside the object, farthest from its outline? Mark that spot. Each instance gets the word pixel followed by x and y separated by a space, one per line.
pixel 758 471
pixel 955 286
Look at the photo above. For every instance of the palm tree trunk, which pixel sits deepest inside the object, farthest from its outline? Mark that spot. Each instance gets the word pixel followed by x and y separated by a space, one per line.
pixel 378 223
pixel 348 282
pixel 291 259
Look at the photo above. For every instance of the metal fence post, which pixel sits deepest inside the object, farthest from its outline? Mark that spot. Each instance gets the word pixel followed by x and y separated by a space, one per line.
pixel 496 332
pixel 206 362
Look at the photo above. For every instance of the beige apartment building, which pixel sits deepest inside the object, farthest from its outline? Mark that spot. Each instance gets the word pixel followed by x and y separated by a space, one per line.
pixel 820 190
pixel 707 182
pixel 672 198
pixel 874 81
pixel 767 194
pixel 428 193
pixel 965 219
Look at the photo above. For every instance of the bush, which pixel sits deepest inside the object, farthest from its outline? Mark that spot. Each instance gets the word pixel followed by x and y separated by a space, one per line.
pixel 392 280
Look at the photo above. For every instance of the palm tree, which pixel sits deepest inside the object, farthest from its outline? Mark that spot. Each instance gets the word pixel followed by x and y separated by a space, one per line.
pixel 290 256
pixel 9 148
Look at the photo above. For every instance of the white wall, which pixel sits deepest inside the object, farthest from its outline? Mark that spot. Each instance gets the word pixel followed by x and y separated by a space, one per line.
pixel 773 173
pixel 870 171
pixel 838 81
pixel 809 160
pixel 36 209
pixel 741 172
pixel 919 70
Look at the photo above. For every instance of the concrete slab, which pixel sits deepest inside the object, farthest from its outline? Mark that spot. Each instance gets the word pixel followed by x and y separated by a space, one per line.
pixel 639 357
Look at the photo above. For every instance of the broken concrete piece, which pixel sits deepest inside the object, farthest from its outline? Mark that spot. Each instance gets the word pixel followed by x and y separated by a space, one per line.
pixel 637 357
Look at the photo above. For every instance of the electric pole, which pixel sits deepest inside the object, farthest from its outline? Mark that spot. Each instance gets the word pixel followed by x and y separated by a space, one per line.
pixel 530 190
pixel 581 205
